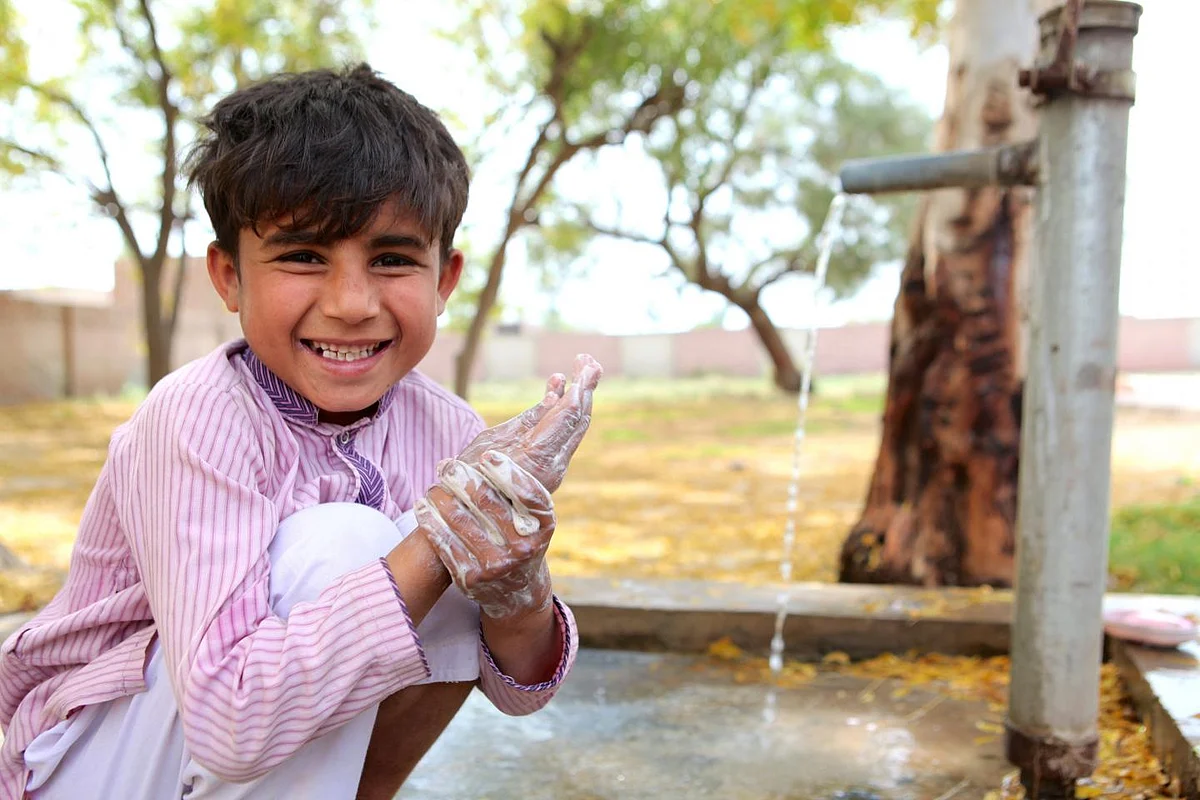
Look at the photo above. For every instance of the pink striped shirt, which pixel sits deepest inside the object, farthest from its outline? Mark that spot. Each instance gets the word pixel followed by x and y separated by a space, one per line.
pixel 173 542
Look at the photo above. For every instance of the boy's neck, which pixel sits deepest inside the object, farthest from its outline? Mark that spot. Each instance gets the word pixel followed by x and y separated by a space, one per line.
pixel 347 417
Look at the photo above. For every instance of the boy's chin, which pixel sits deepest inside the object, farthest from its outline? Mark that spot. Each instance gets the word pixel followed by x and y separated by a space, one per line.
pixel 331 398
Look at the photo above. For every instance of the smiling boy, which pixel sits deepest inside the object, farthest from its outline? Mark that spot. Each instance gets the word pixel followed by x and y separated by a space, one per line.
pixel 301 554
pixel 339 335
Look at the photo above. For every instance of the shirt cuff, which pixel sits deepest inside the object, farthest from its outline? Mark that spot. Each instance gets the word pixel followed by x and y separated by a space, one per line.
pixel 412 629
pixel 570 646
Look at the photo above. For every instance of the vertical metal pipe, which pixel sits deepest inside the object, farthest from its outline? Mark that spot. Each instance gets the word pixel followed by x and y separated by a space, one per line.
pixel 1063 507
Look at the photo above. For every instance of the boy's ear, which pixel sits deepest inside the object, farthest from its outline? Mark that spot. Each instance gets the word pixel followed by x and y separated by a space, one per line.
pixel 223 273
pixel 448 275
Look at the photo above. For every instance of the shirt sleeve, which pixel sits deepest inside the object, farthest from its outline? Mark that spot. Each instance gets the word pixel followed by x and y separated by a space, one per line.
pixel 516 699
pixel 251 686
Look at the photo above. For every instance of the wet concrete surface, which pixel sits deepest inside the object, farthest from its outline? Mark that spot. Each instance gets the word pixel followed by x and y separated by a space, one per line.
pixel 639 725
pixel 1165 685
pixel 656 725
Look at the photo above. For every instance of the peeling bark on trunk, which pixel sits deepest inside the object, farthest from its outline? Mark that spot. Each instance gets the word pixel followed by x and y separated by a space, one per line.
pixel 941 505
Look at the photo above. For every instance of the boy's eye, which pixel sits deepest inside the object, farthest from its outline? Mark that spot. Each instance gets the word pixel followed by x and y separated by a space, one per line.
pixel 394 260
pixel 301 257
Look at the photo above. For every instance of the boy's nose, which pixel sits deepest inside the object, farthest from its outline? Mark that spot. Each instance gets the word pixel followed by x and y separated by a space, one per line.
pixel 350 296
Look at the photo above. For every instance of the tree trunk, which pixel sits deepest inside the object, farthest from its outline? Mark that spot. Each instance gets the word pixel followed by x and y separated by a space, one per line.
pixel 464 361
pixel 787 376
pixel 158 334
pixel 941 505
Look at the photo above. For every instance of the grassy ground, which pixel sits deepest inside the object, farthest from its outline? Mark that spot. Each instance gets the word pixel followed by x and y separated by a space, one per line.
pixel 1156 548
pixel 684 479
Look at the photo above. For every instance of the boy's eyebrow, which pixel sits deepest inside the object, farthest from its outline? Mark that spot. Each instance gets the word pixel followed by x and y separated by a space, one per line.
pixel 282 238
pixel 287 237
pixel 399 240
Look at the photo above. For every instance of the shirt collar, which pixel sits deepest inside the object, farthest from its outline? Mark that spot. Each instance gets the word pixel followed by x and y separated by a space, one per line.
pixel 291 403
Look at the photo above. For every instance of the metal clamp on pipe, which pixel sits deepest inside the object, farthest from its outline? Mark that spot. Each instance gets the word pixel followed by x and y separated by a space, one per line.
pixel 1006 165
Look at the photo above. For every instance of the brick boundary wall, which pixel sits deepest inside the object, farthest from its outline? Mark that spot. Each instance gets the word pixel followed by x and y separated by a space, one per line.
pixel 77 344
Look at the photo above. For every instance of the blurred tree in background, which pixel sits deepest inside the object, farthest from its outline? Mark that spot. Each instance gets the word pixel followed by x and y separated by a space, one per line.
pixel 147 70
pixel 586 75
pixel 748 174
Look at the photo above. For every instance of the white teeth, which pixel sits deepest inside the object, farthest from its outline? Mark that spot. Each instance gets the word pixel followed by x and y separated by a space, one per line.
pixel 338 353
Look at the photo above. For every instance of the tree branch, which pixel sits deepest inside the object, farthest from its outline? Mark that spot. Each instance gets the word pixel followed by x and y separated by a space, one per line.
pixel 662 103
pixel 706 277
pixel 68 102
pixel 530 161
pixel 170 115
pixel 652 108
pixel 519 210
pixel 631 236
pixel 108 200
pixel 565 54
pixel 695 224
pixel 103 196
pixel 676 258
pixel 793 261
pixel 564 57
pixel 47 160
pixel 757 81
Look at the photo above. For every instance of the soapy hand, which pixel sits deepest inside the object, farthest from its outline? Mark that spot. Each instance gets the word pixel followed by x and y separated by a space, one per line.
pixel 543 439
pixel 491 523
pixel 490 517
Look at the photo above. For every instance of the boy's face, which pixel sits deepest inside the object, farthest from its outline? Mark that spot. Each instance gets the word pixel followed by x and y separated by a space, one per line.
pixel 340 322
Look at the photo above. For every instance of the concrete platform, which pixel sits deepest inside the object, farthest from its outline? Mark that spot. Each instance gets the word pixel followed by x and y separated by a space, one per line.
pixel 632 725
pixel 676 731
pixel 685 616
pixel 1165 687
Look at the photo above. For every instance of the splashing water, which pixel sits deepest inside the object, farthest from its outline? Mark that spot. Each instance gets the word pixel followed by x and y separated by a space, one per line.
pixel 831 233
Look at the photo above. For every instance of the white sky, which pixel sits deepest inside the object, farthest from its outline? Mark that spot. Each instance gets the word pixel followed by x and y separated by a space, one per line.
pixel 54 240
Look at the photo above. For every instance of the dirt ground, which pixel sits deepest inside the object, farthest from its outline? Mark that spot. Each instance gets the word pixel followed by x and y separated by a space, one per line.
pixel 699 489
pixel 683 480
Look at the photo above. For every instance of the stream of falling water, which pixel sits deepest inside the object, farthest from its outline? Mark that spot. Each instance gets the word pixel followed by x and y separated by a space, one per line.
pixel 831 232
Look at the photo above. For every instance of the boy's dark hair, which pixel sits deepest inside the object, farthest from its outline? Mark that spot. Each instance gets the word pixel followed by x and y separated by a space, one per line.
pixel 326 149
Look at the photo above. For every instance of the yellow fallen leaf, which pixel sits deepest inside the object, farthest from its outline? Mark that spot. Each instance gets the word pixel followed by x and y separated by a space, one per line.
pixel 725 649
pixel 836 657
pixel 874 559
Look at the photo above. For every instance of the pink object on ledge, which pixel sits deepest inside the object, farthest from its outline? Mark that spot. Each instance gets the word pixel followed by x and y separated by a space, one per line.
pixel 1157 628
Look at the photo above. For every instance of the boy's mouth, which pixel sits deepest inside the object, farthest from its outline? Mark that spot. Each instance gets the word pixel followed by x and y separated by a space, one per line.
pixel 341 352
